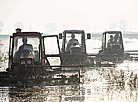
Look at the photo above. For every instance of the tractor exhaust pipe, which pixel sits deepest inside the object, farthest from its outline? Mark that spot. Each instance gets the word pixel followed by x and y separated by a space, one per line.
pixel 18 30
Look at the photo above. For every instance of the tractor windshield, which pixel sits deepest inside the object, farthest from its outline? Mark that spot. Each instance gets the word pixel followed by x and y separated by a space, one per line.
pixel 72 40
pixel 26 46
pixel 113 41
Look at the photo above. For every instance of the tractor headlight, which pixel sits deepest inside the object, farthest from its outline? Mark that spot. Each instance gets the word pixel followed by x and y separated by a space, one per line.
pixel 22 62
pixel 29 62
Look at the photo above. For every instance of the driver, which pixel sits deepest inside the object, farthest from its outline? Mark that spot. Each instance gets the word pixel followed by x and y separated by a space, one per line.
pixel 116 39
pixel 110 42
pixel 72 42
pixel 23 49
pixel 25 46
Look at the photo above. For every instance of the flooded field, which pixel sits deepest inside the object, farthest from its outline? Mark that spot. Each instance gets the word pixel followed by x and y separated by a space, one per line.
pixel 97 85
pixel 108 84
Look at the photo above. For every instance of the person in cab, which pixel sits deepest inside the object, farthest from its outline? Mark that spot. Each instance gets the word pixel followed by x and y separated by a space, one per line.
pixel 72 42
pixel 23 50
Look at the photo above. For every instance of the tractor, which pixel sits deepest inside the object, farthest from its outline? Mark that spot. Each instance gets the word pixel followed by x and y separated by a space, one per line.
pixel 29 64
pixel 73 50
pixel 112 48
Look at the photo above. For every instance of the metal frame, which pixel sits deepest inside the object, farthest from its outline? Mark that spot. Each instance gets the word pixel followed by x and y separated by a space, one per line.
pixel 53 55
pixel 75 32
pixel 111 32
pixel 26 34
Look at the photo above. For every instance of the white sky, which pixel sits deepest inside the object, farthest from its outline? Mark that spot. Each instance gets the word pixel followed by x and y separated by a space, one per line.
pixel 90 15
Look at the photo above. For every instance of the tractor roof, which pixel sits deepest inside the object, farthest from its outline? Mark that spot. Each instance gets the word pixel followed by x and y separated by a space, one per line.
pixel 113 32
pixel 74 31
pixel 27 34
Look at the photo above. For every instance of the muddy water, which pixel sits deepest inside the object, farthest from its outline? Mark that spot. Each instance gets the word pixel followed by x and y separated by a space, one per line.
pixel 118 84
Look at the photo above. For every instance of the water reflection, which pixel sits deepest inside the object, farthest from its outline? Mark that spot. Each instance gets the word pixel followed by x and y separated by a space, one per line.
pixel 4 97
pixel 97 85
pixel 46 93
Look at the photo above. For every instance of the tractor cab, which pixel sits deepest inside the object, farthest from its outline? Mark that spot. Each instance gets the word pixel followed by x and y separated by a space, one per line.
pixel 112 42
pixel 112 49
pixel 73 49
pixel 26 49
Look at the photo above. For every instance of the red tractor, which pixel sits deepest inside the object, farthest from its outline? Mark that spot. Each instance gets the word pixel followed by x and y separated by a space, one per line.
pixel 28 62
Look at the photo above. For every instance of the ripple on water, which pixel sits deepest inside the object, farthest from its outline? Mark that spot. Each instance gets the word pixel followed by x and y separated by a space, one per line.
pixel 117 84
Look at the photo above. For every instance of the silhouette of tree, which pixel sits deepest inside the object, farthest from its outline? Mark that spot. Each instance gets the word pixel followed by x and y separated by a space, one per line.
pixel 65 26
pixel 123 25
pixel 51 27
pixel 1 25
pixel 18 25
pixel 113 25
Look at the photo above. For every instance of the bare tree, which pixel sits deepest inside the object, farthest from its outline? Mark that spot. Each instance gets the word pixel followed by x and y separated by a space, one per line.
pixel 113 25
pixel 123 25
pixel 1 25
pixel 51 27
pixel 18 25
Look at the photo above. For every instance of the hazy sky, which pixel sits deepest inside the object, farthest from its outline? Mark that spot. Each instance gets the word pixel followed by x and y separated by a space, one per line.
pixel 53 16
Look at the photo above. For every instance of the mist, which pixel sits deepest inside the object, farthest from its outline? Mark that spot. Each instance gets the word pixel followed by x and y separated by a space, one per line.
pixel 49 16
